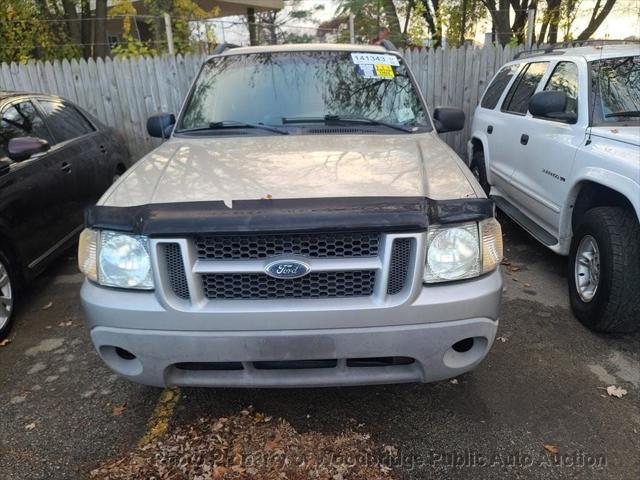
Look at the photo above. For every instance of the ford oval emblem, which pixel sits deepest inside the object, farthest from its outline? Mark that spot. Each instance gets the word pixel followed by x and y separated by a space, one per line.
pixel 287 269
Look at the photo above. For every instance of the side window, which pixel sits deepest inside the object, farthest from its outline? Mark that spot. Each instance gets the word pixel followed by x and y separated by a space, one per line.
pixel 64 120
pixel 495 89
pixel 21 120
pixel 565 79
pixel 517 100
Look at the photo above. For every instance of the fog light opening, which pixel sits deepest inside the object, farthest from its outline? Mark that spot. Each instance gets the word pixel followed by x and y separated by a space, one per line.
pixel 463 345
pixel 120 360
pixel 124 354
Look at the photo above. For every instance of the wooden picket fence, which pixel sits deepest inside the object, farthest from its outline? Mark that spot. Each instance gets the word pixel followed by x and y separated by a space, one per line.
pixel 124 92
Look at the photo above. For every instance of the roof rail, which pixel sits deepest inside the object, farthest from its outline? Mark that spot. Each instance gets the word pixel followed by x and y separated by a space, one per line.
pixel 221 47
pixel 536 52
pixel 388 45
pixel 555 48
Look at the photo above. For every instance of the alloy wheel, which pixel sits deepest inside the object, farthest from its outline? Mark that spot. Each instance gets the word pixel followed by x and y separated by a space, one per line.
pixel 587 268
pixel 6 297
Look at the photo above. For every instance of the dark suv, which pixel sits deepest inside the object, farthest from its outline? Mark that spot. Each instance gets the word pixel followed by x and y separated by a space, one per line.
pixel 55 160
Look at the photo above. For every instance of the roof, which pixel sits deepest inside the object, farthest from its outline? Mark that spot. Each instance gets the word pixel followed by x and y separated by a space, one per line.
pixel 307 47
pixel 589 53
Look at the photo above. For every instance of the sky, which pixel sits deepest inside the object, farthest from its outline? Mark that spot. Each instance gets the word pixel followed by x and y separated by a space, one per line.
pixel 622 22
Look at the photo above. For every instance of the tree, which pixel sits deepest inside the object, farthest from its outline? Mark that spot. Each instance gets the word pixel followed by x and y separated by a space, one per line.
pixel 100 36
pixel 270 25
pixel 25 32
pixel 461 17
pixel 372 17
pixel 182 12
pixel 597 17
pixel 432 15
pixel 500 12
pixel 558 18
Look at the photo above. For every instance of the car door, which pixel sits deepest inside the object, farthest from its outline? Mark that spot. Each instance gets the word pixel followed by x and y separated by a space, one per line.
pixel 77 146
pixel 32 191
pixel 513 120
pixel 491 122
pixel 549 155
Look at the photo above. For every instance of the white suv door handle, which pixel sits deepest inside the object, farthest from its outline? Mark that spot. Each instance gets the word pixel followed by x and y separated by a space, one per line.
pixel 524 139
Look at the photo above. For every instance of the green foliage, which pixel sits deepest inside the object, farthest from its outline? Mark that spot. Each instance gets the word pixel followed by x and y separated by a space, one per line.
pixel 182 12
pixel 373 17
pixel 25 34
pixel 451 13
pixel 129 47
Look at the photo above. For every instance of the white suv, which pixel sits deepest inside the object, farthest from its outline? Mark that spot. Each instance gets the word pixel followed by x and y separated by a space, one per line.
pixel 556 141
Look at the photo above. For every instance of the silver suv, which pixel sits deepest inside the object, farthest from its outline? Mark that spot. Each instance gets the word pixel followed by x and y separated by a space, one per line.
pixel 302 225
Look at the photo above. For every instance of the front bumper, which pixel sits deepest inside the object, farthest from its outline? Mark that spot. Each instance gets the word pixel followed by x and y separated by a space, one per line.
pixel 205 348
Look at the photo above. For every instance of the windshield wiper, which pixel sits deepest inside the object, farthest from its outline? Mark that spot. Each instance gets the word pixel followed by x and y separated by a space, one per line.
pixel 235 124
pixel 331 119
pixel 630 113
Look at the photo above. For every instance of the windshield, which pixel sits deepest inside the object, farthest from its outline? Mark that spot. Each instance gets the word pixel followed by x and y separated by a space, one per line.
pixel 291 88
pixel 616 86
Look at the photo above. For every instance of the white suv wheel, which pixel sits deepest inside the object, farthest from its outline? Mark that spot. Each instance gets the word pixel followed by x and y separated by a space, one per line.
pixel 587 268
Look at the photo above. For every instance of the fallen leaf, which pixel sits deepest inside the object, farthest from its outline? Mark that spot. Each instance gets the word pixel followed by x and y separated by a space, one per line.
pixel 68 323
pixel 47 306
pixel 119 410
pixel 454 381
pixel 551 448
pixel 513 268
pixel 514 279
pixel 615 391
pixel 505 262
pixel 30 427
pixel 502 339
pixel 268 196
pixel 5 342
pixel 527 285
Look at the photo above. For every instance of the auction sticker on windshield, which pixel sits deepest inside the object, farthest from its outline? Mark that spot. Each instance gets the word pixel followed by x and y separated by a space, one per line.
pixel 384 71
pixel 374 59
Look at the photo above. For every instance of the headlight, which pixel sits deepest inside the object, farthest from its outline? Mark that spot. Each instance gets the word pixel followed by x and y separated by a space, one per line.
pixel 115 259
pixel 462 251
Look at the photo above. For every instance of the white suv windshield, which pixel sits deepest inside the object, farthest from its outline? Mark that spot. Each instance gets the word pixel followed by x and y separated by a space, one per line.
pixel 616 86
pixel 283 88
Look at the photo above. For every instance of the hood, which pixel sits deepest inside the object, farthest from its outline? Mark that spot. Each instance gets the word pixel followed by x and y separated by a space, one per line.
pixel 296 166
pixel 629 135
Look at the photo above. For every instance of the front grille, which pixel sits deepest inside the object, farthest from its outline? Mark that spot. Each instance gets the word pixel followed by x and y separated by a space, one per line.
pixel 258 286
pixel 175 269
pixel 400 258
pixel 316 245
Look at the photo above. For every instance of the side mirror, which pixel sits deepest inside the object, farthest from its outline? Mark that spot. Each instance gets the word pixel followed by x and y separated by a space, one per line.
pixel 552 105
pixel 448 119
pixel 161 124
pixel 21 148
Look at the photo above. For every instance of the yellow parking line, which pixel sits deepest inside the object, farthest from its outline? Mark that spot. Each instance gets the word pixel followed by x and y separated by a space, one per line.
pixel 159 421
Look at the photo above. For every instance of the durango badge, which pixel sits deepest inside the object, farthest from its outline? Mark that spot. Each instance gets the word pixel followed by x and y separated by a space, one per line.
pixel 287 269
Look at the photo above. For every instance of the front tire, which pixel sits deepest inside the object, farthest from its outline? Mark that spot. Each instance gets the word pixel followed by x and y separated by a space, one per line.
pixel 604 270
pixel 7 296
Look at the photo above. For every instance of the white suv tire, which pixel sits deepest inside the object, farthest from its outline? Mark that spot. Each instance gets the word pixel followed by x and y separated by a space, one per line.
pixel 604 270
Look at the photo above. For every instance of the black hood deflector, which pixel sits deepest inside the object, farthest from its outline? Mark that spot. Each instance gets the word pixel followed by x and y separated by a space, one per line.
pixel 388 214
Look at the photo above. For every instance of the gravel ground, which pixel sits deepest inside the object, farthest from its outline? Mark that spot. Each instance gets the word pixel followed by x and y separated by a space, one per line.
pixel 62 413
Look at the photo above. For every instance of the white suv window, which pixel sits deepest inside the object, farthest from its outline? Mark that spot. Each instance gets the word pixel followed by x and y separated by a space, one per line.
pixel 517 100
pixel 565 79
pixel 500 82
